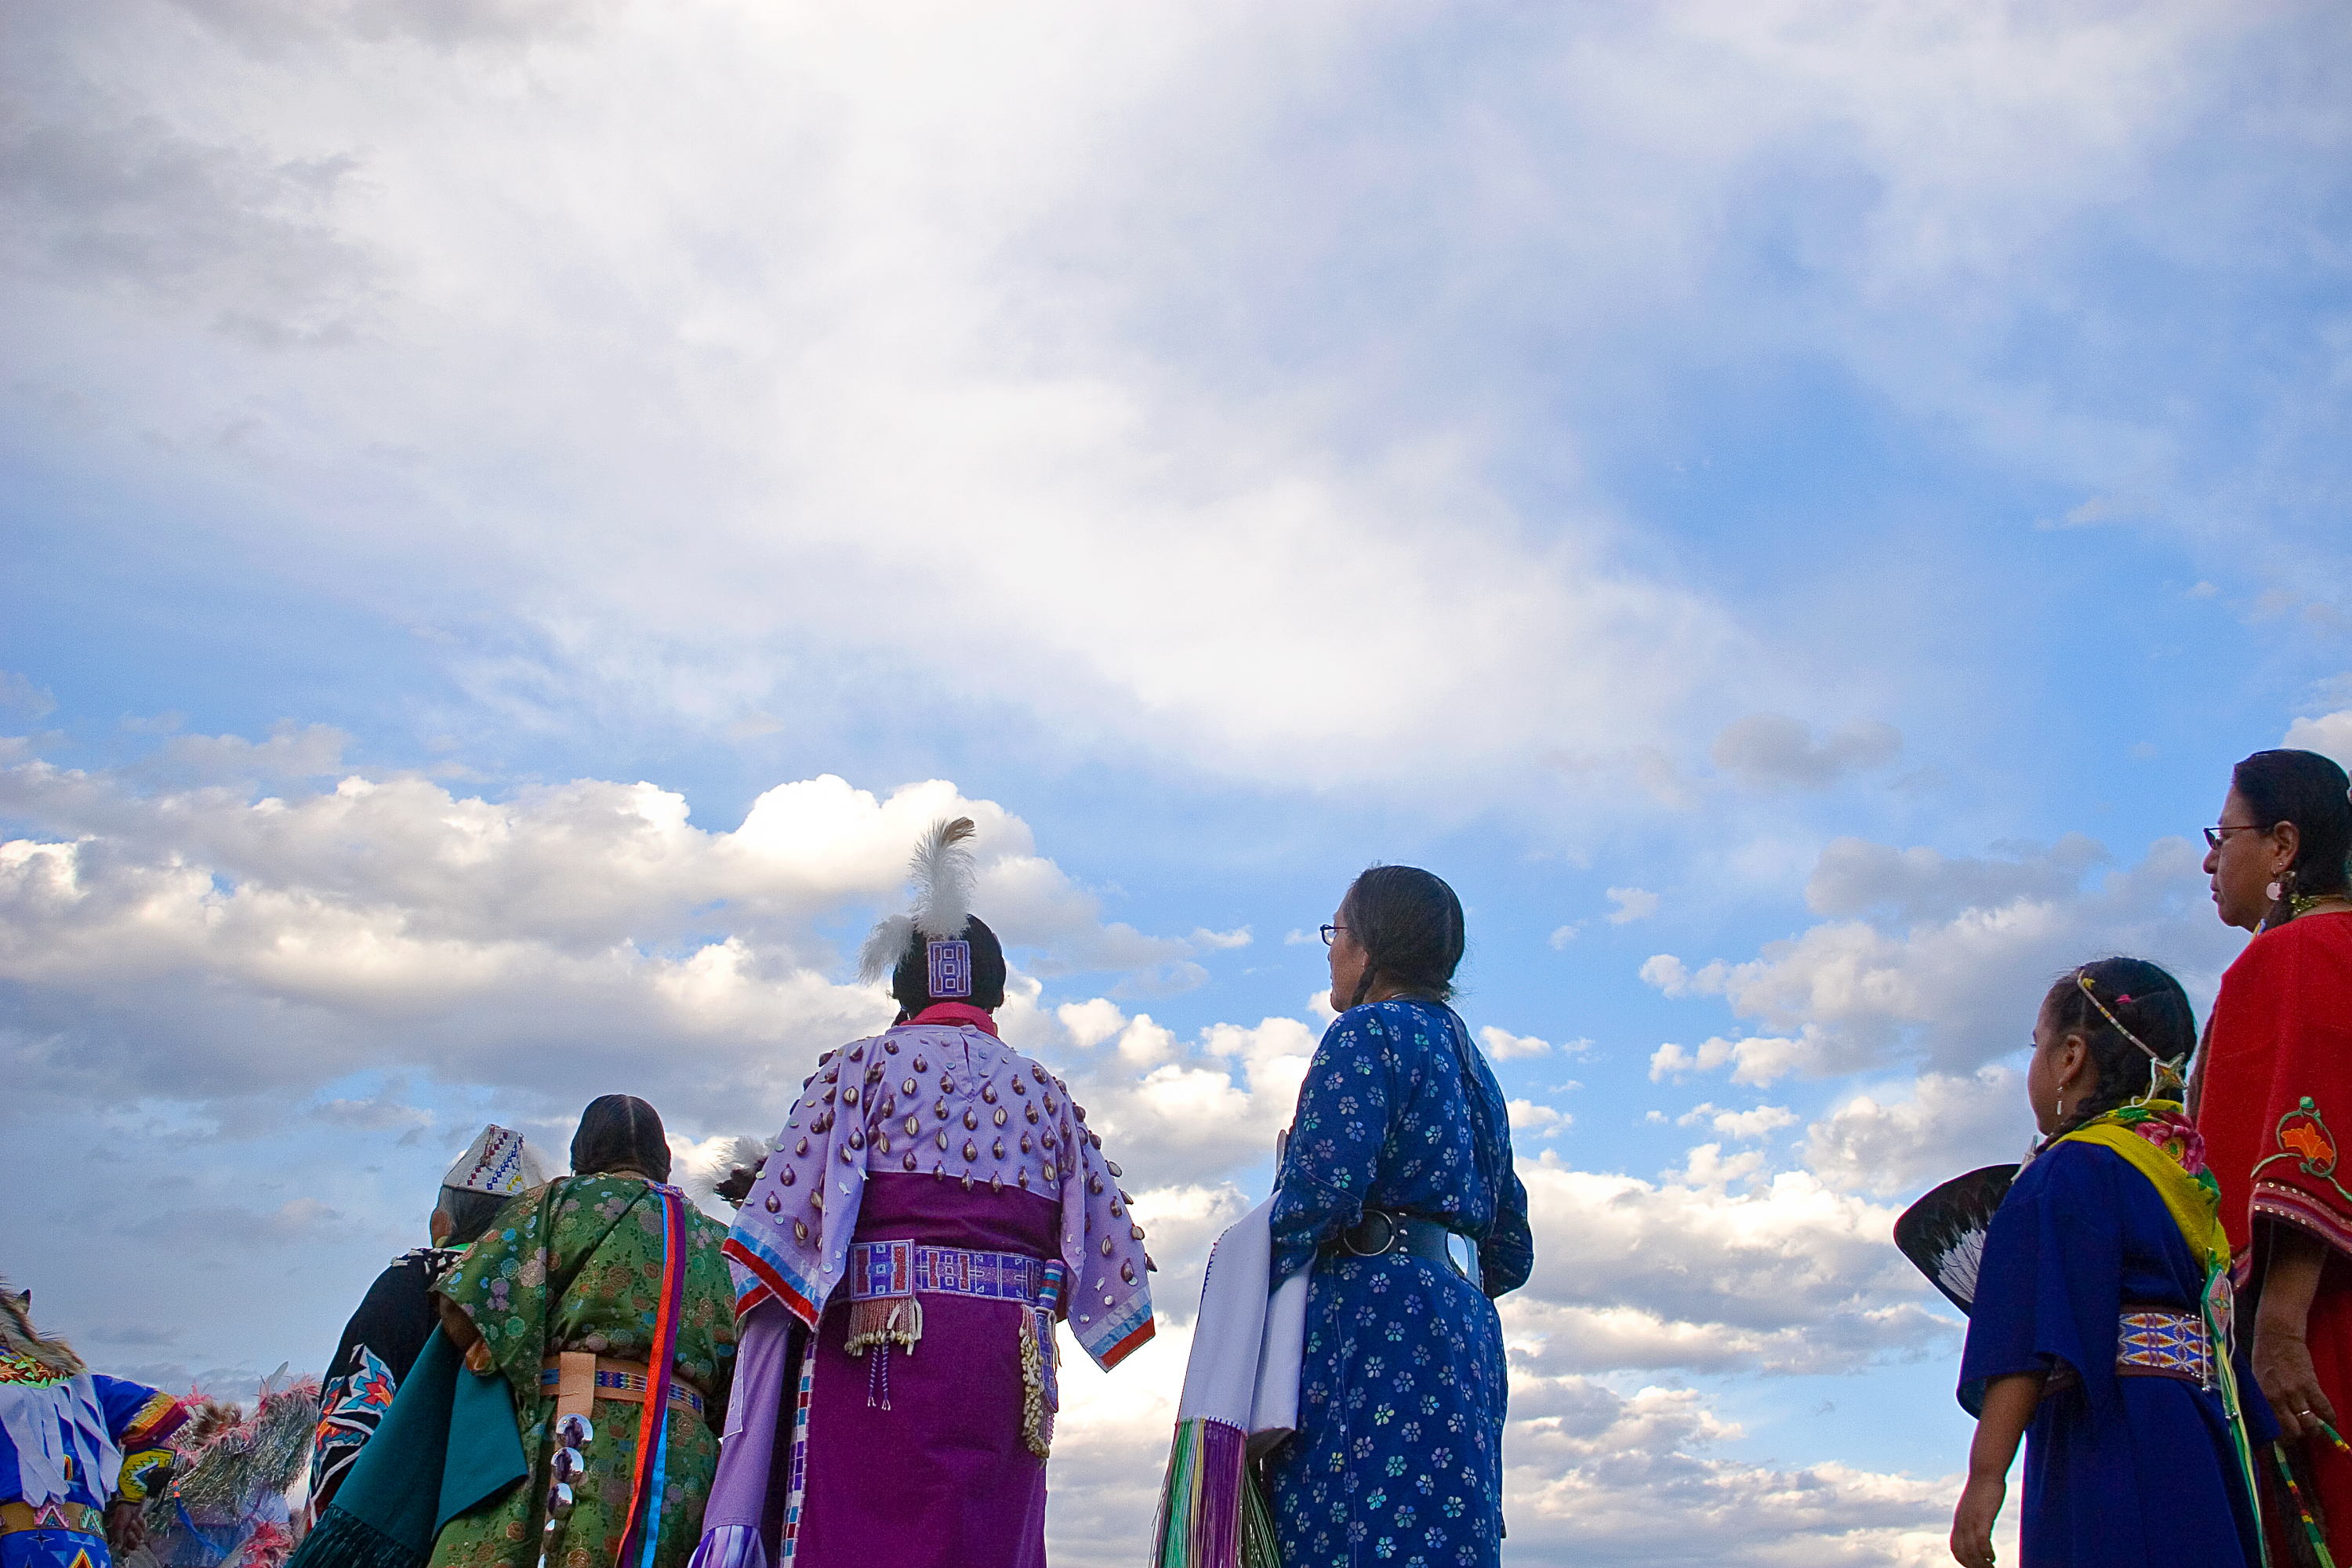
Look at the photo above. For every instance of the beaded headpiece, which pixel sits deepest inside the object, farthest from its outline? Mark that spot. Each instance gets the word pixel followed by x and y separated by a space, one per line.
pixel 498 1162
pixel 2167 1074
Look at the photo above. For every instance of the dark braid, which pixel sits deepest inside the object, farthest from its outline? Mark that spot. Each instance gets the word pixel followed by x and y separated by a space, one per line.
pixel 620 1132
pixel 2144 999
pixel 1409 924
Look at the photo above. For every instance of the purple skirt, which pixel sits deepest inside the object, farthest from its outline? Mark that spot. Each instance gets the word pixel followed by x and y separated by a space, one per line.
pixel 941 1477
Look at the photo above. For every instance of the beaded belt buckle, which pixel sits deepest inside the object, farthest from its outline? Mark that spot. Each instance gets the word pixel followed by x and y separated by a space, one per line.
pixel 2152 1343
pixel 880 1271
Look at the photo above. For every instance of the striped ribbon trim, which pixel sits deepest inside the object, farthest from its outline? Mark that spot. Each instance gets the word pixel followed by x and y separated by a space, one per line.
pixel 652 1427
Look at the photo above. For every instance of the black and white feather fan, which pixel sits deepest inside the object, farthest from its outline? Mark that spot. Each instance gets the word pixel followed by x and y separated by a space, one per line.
pixel 1944 1233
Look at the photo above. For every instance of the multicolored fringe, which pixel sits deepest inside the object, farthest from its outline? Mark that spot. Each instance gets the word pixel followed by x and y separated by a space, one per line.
pixel 1211 1514
pixel 644 1531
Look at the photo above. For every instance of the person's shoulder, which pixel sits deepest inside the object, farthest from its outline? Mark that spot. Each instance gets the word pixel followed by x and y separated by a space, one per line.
pixel 1404 1018
pixel 2070 1166
pixel 2325 937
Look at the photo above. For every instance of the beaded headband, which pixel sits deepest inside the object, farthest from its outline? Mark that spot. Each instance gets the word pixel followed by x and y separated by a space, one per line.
pixel 2164 1069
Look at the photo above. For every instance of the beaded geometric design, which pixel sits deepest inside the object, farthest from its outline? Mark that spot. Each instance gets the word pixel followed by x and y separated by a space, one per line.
pixel 882 1269
pixel 2164 1343
pixel 949 964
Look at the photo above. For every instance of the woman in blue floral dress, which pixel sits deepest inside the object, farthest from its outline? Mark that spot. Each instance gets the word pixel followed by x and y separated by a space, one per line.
pixel 1397 1184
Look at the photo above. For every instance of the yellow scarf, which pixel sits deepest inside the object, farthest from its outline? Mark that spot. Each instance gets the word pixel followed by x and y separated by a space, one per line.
pixel 2195 1207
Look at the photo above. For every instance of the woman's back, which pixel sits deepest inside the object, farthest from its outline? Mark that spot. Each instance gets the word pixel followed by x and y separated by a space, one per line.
pixel 1402 1382
pixel 1389 1119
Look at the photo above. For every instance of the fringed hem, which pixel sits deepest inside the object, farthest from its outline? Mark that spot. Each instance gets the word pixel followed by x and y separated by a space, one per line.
pixel 731 1546
pixel 1201 1522
pixel 885 1320
pixel 343 1539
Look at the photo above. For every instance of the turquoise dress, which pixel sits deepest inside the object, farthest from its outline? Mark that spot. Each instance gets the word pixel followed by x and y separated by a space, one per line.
pixel 1398 1458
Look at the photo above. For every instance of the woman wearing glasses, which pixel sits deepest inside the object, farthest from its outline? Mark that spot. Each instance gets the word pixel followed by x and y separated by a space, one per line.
pixel 2275 1100
pixel 1397 1185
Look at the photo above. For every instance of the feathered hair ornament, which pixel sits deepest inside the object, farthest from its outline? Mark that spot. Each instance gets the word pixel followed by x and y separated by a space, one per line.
pixel 943 877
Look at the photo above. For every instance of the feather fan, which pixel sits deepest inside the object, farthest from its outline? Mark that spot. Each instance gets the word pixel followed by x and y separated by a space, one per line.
pixel 1943 1234
pixel 944 875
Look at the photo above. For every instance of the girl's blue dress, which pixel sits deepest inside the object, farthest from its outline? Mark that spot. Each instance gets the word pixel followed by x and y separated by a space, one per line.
pixel 2120 1472
pixel 1398 1458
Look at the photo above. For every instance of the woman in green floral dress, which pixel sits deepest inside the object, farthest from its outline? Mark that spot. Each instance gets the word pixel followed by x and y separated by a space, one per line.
pixel 578 1265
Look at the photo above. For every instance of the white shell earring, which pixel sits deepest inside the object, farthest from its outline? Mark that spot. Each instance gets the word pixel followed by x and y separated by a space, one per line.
pixel 2274 892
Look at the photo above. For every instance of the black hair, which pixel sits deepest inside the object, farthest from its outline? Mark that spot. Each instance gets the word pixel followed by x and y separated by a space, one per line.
pixel 2310 791
pixel 2146 1000
pixel 620 1132
pixel 911 982
pixel 469 1213
pixel 1409 924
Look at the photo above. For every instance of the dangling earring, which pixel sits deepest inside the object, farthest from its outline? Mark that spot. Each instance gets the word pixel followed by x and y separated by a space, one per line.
pixel 2062 1108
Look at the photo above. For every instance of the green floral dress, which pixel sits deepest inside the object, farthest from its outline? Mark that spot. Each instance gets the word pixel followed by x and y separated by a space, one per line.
pixel 576 1264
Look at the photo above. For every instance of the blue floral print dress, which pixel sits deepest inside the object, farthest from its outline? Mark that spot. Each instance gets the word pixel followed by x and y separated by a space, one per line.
pixel 1398 1458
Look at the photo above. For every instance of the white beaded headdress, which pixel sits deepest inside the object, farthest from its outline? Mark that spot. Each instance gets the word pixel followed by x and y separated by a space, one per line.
pixel 498 1162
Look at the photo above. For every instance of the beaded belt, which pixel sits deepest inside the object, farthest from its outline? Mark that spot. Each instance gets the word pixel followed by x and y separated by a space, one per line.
pixel 620 1380
pixel 881 1270
pixel 2154 1342
pixel 53 1515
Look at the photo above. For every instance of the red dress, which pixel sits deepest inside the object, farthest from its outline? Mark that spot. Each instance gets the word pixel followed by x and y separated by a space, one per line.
pixel 2276 1113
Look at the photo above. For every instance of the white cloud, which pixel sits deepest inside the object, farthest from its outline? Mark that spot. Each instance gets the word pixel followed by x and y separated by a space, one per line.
pixel 1561 936
pixel 1938 1127
pixel 2330 735
pixel 1783 1273
pixel 1758 1059
pixel 1527 1116
pixel 1505 1047
pixel 1948 957
pixel 1633 904
pixel 1747 1126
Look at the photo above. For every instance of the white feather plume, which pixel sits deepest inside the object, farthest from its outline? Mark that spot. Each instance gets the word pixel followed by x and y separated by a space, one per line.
pixel 884 944
pixel 945 874
pixel 944 877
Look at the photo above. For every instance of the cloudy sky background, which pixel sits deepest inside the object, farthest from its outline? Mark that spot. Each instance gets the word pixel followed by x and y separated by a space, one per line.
pixel 516 511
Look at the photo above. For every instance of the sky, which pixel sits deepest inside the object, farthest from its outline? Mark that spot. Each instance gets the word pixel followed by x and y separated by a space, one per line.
pixel 516 512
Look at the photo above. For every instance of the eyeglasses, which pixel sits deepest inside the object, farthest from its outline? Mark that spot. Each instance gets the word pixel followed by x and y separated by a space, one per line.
pixel 2214 836
pixel 1330 933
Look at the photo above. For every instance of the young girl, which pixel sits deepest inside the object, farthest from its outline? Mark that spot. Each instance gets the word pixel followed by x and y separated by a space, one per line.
pixel 2100 1323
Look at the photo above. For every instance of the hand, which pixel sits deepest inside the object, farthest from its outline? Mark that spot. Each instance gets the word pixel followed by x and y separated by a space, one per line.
pixel 2282 1367
pixel 126 1527
pixel 1972 1521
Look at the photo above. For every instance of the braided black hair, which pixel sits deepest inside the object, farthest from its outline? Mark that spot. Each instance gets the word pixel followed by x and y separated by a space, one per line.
pixel 1409 924
pixel 2146 1000
pixel 620 1132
